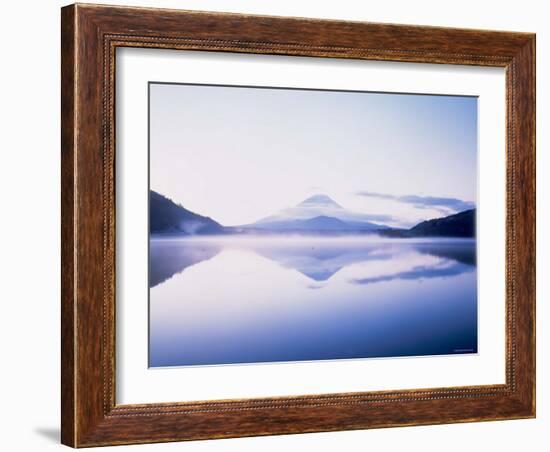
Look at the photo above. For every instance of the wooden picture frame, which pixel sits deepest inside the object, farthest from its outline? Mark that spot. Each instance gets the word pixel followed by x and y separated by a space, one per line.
pixel 90 35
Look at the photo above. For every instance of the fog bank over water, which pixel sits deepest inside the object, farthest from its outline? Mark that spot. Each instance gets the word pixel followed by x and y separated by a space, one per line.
pixel 299 239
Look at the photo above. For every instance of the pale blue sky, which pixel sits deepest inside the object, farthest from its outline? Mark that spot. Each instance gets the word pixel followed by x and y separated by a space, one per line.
pixel 240 154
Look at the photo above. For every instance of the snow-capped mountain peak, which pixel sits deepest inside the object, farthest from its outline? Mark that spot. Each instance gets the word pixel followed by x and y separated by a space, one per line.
pixel 319 201
pixel 319 206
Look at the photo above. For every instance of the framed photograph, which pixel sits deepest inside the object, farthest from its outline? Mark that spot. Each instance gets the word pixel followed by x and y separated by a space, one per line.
pixel 281 225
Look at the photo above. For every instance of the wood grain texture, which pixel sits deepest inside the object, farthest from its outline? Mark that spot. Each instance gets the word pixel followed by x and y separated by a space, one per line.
pixel 68 147
pixel 90 36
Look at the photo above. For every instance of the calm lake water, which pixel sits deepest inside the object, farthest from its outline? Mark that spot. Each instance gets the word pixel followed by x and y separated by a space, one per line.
pixel 244 300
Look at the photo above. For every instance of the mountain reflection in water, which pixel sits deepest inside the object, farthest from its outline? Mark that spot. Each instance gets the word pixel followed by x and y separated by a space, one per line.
pixel 241 300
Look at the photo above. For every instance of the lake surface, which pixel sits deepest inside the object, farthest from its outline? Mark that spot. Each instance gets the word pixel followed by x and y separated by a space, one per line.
pixel 232 300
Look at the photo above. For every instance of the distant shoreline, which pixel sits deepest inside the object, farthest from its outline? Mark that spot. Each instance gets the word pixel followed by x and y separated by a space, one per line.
pixel 368 238
pixel 317 216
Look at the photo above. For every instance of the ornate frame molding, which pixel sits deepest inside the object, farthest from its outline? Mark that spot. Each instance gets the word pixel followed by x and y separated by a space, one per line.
pixel 90 37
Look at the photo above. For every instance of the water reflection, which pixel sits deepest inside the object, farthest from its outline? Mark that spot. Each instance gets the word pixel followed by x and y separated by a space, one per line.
pixel 168 257
pixel 463 251
pixel 233 300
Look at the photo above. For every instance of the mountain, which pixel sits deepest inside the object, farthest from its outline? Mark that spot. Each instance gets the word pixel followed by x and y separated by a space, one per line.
pixel 316 201
pixel 461 224
pixel 318 214
pixel 165 216
pixel 320 223
pixel 315 214
pixel 324 223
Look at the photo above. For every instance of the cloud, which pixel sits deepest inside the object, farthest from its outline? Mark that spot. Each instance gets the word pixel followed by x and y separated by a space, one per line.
pixel 442 204
pixel 315 188
pixel 418 272
pixel 378 217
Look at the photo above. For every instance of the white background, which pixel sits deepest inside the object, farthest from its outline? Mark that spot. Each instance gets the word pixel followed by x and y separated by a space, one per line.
pixel 138 384
pixel 30 226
